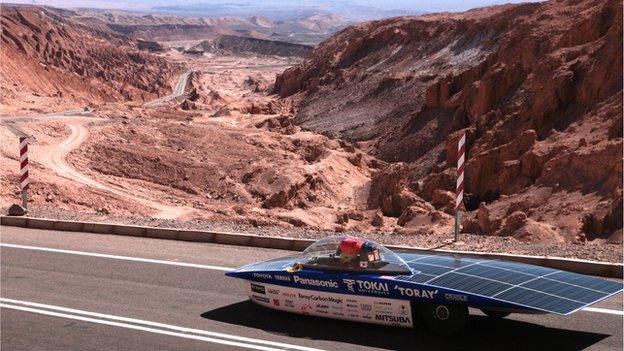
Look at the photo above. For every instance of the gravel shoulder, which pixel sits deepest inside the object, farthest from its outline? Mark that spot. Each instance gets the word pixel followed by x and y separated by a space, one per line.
pixel 595 251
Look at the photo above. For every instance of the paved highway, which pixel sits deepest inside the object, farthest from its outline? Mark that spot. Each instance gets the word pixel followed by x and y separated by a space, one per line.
pixel 177 91
pixel 78 291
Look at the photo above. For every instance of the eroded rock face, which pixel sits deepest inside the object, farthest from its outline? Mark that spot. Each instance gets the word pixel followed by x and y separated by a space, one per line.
pixel 535 87
pixel 63 47
pixel 388 191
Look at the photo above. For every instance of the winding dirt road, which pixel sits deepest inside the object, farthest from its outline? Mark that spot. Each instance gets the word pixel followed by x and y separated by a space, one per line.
pixel 55 159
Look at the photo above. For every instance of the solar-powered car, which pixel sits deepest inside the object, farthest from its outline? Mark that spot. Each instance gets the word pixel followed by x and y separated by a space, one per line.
pixel 348 278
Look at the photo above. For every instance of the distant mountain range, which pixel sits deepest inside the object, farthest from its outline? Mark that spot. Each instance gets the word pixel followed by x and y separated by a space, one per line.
pixel 279 10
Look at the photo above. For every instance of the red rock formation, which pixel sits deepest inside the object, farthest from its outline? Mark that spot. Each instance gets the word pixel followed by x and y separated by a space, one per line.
pixel 60 50
pixel 537 87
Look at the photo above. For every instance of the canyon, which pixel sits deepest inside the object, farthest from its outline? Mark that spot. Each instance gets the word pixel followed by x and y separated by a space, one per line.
pixel 273 133
pixel 536 88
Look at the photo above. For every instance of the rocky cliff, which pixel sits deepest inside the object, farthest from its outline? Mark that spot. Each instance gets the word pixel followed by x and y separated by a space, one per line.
pixel 242 45
pixel 44 50
pixel 537 88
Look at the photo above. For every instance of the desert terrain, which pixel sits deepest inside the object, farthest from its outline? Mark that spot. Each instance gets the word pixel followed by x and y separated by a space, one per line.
pixel 216 126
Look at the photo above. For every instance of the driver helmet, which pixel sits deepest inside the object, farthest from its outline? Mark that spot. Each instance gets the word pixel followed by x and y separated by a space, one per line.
pixel 349 249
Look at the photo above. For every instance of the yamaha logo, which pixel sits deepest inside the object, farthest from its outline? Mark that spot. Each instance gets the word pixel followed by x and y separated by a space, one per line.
pixel 282 278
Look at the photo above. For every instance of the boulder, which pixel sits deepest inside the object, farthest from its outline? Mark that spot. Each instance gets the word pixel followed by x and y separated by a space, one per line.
pixel 512 223
pixel 487 224
pixel 342 218
pixel 377 220
pixel 442 198
pixel 418 214
pixel 17 210
pixel 389 191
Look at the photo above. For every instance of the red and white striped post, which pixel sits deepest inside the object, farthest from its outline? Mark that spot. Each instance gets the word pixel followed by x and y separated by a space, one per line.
pixel 459 189
pixel 24 170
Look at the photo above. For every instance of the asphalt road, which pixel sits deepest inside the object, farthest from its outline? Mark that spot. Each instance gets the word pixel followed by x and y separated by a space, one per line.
pixel 168 295
pixel 177 91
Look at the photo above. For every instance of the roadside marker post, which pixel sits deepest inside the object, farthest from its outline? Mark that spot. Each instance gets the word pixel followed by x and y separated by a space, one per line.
pixel 459 189
pixel 24 170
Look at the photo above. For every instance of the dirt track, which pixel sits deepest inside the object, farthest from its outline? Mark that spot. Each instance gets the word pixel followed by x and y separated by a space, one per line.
pixel 54 159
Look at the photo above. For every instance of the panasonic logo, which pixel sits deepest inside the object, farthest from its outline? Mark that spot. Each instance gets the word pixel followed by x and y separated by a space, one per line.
pixel 316 282
pixel 392 319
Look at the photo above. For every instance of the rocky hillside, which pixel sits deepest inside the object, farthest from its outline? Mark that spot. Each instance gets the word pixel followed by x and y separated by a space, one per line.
pixel 45 52
pixel 243 45
pixel 537 87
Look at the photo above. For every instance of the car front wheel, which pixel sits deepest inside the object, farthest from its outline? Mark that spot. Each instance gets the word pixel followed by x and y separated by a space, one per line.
pixel 445 319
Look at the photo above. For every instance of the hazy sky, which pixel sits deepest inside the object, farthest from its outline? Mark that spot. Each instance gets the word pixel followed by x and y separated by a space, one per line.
pixel 347 8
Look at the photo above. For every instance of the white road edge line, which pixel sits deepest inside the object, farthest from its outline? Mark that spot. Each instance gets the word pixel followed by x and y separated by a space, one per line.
pixel 143 324
pixel 603 310
pixel 137 327
pixel 201 266
pixel 116 257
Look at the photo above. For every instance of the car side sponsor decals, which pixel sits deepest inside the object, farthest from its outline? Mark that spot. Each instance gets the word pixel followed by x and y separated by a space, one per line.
pixel 366 286
pixel 260 299
pixel 315 282
pixel 379 310
pixel 283 278
pixel 382 288
pixel 262 276
pixel 414 292
pixel 273 291
pixel 258 289
pixel 393 319
pixel 456 297
pixel 319 297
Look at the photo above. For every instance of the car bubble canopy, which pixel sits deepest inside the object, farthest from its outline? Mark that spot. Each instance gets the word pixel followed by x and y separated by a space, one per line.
pixel 352 254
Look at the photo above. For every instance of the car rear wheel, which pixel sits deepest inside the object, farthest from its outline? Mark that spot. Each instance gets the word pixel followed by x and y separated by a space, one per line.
pixel 495 314
pixel 445 319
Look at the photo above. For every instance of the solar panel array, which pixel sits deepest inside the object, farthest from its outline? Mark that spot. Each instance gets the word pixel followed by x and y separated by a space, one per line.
pixel 530 286
pixel 520 284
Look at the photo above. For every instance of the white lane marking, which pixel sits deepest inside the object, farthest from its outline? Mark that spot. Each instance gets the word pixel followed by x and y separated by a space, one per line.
pixel 603 310
pixel 116 257
pixel 71 312
pixel 136 327
pixel 216 268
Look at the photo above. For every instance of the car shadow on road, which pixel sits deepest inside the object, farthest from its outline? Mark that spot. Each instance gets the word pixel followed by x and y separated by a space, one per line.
pixel 481 333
